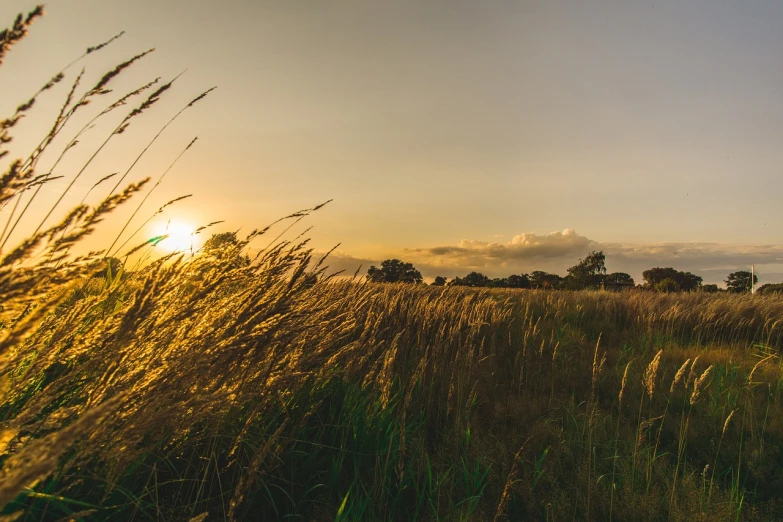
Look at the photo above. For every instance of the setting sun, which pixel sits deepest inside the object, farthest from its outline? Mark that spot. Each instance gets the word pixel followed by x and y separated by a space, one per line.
pixel 180 236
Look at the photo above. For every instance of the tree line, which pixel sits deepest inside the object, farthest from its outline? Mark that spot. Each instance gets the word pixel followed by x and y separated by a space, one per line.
pixel 588 274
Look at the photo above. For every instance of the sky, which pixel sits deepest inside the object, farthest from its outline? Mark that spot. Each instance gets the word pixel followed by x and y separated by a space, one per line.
pixel 502 137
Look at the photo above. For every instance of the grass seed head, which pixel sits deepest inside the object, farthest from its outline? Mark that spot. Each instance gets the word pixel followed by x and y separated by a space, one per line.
pixel 623 385
pixel 699 384
pixel 726 423
pixel 651 374
pixel 757 366
pixel 679 375
pixel 692 373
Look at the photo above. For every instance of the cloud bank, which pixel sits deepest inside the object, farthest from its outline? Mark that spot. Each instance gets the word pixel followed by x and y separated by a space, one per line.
pixel 520 249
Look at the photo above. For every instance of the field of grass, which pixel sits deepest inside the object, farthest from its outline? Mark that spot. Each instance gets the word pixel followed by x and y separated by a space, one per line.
pixel 242 392
pixel 216 388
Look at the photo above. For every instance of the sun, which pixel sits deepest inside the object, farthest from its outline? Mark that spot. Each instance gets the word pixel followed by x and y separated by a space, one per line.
pixel 180 237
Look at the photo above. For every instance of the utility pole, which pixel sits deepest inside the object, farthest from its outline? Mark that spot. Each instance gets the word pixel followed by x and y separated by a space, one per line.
pixel 752 279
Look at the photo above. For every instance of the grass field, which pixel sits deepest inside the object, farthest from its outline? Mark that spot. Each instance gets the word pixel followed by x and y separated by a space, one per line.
pixel 189 388
pixel 216 388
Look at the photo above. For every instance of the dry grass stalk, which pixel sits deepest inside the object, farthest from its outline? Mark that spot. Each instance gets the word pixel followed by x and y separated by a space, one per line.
pixel 699 384
pixel 510 481
pixel 37 459
pixel 251 474
pixel 11 36
pixel 623 385
pixel 598 364
pixel 644 426
pixel 651 374
pixel 692 373
pixel 679 375
pixel 728 420
pixel 757 366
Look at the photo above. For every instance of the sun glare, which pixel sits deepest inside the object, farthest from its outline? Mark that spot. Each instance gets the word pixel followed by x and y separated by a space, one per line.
pixel 180 237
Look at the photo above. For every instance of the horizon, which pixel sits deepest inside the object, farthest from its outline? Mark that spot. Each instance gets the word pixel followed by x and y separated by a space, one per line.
pixel 453 136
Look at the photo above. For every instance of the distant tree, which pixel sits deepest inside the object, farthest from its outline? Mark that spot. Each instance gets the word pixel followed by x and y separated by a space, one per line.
pixel 109 267
pixel 221 241
pixel 710 289
pixel 619 277
pixel 498 282
pixel 588 273
pixel 225 246
pixel 770 288
pixel 740 281
pixel 667 285
pixel 689 281
pixel 439 281
pixel 541 279
pixel 518 281
pixel 474 279
pixel 512 281
pixel 685 281
pixel 394 271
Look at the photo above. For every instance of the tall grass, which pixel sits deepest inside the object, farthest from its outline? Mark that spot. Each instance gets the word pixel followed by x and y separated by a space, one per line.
pixel 222 388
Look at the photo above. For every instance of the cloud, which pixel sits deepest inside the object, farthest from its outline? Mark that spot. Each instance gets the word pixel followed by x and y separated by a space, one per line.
pixel 520 247
pixel 557 251
pixel 553 252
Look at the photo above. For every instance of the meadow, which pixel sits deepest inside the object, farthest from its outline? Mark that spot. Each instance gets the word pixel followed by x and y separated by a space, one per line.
pixel 247 394
pixel 219 387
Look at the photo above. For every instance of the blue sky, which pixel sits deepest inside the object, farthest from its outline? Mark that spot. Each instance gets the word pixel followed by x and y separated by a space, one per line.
pixel 447 131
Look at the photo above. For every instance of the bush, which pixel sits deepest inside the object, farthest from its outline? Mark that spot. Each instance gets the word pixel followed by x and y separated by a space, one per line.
pixel 770 288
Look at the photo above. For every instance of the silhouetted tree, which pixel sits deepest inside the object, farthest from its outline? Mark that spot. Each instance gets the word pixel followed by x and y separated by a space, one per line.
pixel 477 279
pixel 588 273
pixel 394 271
pixel 474 279
pixel 710 289
pixel 684 280
pixel 545 280
pixel 619 277
pixel 740 281
pixel 518 281
pixel 667 285
pixel 226 248
pixel 439 281
pixel 221 241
